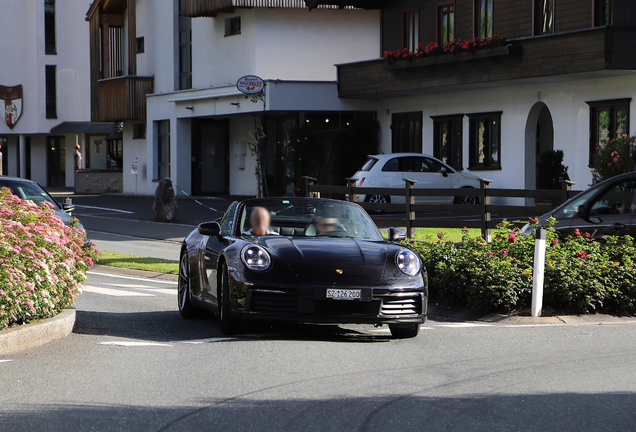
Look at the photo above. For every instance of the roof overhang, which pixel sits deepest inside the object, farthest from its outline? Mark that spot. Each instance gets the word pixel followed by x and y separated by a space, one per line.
pixel 96 128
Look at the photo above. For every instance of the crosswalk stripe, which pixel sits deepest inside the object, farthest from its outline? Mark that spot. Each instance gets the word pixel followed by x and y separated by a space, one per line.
pixel 133 278
pixel 135 344
pixel 114 292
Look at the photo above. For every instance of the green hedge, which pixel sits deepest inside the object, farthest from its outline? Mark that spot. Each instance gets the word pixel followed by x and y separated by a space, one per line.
pixel 582 276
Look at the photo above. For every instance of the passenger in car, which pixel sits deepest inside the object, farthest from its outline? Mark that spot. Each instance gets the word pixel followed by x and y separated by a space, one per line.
pixel 259 220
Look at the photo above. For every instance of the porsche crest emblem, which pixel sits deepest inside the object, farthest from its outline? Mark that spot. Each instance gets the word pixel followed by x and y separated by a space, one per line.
pixel 11 99
pixel 339 271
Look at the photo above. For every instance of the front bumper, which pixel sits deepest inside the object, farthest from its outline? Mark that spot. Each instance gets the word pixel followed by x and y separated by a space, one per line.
pixel 310 305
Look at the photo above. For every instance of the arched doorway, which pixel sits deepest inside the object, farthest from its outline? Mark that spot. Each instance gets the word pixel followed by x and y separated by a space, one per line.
pixel 539 139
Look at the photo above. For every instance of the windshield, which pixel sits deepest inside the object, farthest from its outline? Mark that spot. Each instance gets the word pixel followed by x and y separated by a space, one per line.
pixel 28 191
pixel 302 217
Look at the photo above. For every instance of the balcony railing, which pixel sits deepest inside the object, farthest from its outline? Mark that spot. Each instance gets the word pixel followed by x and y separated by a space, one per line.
pixel 124 98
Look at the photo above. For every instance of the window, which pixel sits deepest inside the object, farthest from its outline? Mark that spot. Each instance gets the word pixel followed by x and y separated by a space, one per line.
pixel 445 22
pixel 51 92
pixel 607 119
pixel 4 141
pixel 483 18
pixel 370 163
pixel 407 132
pixel 49 27
pixel 447 140
pixel 485 141
pixel 139 130
pixel 163 148
pixel 228 219
pixel 618 199
pixel 141 45
pixel 411 29
pixel 233 26
pixel 185 48
pixel 544 17
pixel 602 13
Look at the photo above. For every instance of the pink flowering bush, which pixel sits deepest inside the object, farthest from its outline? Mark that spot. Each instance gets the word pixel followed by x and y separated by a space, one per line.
pixel 581 274
pixel 43 262
pixel 613 157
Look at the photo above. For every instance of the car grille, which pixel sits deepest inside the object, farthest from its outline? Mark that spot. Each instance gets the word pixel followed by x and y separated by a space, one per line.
pixel 394 306
pixel 273 302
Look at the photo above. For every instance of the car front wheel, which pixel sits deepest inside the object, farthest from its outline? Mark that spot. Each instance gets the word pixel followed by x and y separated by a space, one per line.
pixel 404 331
pixel 467 200
pixel 185 305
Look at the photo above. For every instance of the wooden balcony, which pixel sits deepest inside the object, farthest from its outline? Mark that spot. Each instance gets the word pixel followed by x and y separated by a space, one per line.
pixel 123 98
pixel 592 52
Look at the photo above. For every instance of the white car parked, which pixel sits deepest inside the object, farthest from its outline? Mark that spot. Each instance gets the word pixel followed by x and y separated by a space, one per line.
pixel 390 170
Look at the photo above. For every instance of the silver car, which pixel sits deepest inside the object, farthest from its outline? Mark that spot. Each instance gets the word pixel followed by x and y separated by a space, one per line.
pixel 390 171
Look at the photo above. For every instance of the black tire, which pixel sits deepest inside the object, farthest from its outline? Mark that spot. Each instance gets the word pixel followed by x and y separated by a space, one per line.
pixel 380 199
pixel 228 327
pixel 404 331
pixel 466 200
pixel 183 295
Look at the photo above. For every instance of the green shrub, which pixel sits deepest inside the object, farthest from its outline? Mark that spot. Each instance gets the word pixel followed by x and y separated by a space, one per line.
pixel 614 157
pixel 581 275
pixel 42 261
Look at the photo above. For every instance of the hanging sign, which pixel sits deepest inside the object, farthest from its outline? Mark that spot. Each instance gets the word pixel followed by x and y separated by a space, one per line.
pixel 11 104
pixel 134 168
pixel 250 84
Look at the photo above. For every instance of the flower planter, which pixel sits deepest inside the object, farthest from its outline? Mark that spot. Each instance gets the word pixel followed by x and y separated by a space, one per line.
pixel 508 50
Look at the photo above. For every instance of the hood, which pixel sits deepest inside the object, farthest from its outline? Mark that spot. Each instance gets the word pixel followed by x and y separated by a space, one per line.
pixel 319 258
pixel 469 176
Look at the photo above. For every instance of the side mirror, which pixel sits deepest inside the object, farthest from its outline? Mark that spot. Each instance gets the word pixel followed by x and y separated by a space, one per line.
pixel 444 172
pixel 68 207
pixel 581 212
pixel 396 234
pixel 210 229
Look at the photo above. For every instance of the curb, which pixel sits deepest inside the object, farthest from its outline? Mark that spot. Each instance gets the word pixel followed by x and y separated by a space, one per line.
pixel 98 268
pixel 38 333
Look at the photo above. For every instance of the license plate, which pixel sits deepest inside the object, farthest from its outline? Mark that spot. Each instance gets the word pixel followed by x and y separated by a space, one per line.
pixel 338 294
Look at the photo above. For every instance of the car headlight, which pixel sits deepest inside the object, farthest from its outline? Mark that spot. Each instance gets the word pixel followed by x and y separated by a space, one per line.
pixel 256 258
pixel 407 262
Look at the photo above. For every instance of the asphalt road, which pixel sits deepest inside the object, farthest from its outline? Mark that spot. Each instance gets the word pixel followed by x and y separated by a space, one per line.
pixel 134 364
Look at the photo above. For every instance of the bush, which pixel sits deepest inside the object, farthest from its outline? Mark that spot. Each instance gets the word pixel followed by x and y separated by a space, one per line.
pixel 581 275
pixel 614 157
pixel 551 171
pixel 42 261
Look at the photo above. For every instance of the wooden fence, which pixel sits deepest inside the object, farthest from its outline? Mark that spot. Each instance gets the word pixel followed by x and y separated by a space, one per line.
pixel 549 199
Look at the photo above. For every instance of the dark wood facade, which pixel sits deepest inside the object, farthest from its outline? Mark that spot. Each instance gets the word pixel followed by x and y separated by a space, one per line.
pixel 590 50
pixel 574 46
pixel 109 41
pixel 123 98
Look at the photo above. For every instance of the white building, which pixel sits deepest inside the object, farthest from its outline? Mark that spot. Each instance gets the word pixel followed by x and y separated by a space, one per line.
pixel 174 85
pixel 45 79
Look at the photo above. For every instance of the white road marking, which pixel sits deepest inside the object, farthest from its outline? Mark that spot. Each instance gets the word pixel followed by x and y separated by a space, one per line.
pixel 204 341
pixel 103 208
pixel 135 344
pixel 462 325
pixel 114 292
pixel 137 221
pixel 162 290
pixel 133 278
pixel 147 288
pixel 5 361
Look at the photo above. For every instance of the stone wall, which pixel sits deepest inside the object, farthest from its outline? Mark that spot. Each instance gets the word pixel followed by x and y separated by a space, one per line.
pixel 99 181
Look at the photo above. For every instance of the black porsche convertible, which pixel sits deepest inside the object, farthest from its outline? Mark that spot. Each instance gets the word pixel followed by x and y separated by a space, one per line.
pixel 319 261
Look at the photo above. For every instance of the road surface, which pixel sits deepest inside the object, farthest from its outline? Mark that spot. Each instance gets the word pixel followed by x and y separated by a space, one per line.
pixel 134 364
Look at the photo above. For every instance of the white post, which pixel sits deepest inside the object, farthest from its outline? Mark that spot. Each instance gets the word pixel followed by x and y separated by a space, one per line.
pixel 539 270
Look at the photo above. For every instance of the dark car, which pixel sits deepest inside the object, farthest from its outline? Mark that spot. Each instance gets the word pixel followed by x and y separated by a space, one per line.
pixel 30 190
pixel 605 209
pixel 295 273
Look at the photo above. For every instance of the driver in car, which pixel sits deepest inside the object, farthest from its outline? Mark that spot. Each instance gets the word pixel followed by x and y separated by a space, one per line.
pixel 259 220
pixel 329 226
